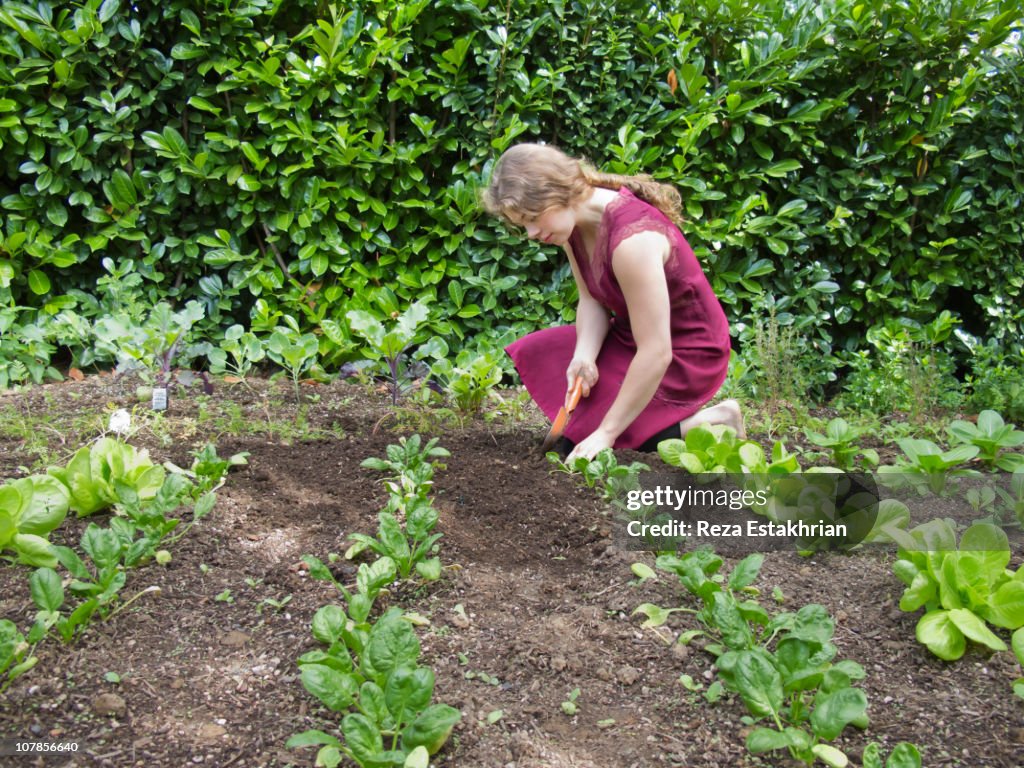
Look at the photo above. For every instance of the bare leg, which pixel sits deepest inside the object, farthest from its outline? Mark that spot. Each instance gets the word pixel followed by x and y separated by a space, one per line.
pixel 726 412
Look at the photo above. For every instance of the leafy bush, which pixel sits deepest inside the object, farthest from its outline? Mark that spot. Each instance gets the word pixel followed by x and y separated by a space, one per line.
pixel 267 159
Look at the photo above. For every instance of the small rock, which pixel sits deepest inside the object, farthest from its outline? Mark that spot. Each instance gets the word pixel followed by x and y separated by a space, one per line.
pixel 234 639
pixel 680 651
pixel 627 675
pixel 558 663
pixel 460 620
pixel 109 705
pixel 211 732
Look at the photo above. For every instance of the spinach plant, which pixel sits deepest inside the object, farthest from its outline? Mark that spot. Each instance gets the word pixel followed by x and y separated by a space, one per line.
pixel 1013 497
pixel 411 466
pixel 385 695
pixel 962 590
pixel 409 545
pixel 1017 643
pixel 903 755
pixel 781 666
pixel 840 439
pixel 30 508
pixel 603 473
pixel 992 437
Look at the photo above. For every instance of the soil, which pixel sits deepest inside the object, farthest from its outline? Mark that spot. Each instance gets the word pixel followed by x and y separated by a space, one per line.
pixel 537 601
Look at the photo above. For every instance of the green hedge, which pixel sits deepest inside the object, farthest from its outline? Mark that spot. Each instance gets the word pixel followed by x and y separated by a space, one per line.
pixel 842 162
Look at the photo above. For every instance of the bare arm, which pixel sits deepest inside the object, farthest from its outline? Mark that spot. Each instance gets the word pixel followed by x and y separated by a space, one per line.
pixel 592 325
pixel 638 263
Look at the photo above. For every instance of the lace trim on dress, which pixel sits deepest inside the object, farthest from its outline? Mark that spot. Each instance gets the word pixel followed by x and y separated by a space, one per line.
pixel 647 221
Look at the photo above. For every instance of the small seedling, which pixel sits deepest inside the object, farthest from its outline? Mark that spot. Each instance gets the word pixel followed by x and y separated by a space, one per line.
pixel 569 705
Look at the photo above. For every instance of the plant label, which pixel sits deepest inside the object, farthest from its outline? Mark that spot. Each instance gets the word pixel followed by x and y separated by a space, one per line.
pixel 159 398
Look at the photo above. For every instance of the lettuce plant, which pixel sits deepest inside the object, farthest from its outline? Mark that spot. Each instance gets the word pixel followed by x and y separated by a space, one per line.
pixel 30 508
pixel 962 590
pixel 992 437
pixel 94 474
pixel 16 656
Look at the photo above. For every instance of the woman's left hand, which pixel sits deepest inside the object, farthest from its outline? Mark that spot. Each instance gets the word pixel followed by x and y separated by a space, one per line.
pixel 590 446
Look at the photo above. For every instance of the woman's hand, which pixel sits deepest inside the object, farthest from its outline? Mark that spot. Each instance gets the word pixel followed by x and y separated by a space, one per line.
pixel 590 446
pixel 584 369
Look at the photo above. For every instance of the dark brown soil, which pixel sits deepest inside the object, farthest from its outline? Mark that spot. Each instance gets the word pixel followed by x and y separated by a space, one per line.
pixel 536 602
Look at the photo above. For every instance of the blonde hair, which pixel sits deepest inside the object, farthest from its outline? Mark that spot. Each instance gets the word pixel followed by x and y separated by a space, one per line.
pixel 531 178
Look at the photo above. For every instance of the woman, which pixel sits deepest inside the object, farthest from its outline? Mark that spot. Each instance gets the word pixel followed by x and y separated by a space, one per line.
pixel 651 342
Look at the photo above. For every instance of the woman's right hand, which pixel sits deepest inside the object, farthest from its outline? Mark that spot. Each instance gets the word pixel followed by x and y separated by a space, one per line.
pixel 584 369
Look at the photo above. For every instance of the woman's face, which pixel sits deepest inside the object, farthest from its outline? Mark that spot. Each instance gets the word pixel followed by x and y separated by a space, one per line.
pixel 552 227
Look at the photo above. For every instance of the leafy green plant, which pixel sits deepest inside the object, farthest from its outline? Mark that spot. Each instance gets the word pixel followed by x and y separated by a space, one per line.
pixel 16 656
pixel 710 449
pixel 411 464
pixel 294 351
pixel 471 380
pixel 928 461
pixel 410 456
pixel 604 474
pixel 382 689
pixel 154 347
pixel 237 353
pixel 388 345
pixel 1013 497
pixel 1017 644
pixel 903 755
pixel 840 439
pixel 408 545
pixel 25 351
pixel 781 667
pixel 962 590
pixel 993 437
pixel 30 508
pixel 94 474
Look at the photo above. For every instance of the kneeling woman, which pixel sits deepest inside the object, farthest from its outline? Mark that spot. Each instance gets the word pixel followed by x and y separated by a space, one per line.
pixel 651 342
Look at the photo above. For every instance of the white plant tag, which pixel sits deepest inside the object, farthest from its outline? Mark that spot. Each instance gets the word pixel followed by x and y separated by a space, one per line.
pixel 159 398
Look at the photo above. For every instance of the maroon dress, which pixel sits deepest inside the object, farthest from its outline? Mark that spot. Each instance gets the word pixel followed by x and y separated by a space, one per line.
pixel 700 333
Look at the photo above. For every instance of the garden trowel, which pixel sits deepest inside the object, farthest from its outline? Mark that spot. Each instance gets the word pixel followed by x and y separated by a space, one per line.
pixel 572 399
